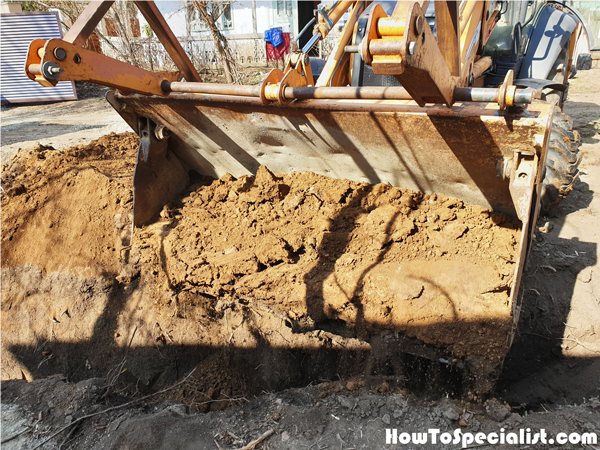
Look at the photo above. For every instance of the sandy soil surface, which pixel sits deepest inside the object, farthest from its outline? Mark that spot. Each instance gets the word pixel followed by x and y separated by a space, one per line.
pixel 123 318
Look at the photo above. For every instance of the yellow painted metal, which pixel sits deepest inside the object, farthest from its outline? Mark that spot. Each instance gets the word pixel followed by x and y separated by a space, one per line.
pixel 466 14
pixel 391 26
pixel 470 35
pixel 338 50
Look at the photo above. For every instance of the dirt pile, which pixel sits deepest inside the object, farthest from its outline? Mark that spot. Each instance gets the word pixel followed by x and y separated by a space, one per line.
pixel 59 208
pixel 320 248
pixel 300 277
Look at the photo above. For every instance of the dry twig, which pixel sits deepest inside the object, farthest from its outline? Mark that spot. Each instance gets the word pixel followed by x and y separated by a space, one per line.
pixel 578 342
pixel 113 408
pixel 255 442
pixel 14 436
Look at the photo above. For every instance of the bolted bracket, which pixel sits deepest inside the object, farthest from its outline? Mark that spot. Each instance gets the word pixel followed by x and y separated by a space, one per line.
pixel 506 96
pixel 413 57
pixel 522 182
pixel 377 13
pixel 159 175
pixel 269 91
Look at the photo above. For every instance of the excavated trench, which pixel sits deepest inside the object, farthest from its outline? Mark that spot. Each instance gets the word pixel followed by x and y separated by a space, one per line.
pixel 259 283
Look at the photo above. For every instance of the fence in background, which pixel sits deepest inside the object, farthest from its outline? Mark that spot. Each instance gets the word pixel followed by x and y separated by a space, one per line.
pixel 151 55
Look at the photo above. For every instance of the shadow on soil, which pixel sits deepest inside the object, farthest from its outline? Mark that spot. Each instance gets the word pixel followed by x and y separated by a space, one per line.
pixel 535 371
pixel 230 371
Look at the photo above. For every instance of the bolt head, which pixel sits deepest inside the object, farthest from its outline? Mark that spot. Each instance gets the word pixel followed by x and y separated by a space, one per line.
pixel 60 53
pixel 412 48
pixel 51 71
pixel 419 24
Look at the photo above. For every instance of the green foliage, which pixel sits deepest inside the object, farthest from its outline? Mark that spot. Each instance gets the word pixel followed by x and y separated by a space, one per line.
pixel 147 30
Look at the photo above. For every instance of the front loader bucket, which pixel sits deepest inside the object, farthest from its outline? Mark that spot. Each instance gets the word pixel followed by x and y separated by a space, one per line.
pixel 472 152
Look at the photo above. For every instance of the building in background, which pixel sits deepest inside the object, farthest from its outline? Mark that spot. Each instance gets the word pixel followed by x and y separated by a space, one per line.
pixel 244 23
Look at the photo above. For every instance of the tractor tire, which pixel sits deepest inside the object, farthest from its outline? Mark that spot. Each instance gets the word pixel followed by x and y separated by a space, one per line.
pixel 562 164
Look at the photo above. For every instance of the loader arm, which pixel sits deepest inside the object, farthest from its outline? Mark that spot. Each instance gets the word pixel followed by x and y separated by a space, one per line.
pixel 64 59
pixel 430 70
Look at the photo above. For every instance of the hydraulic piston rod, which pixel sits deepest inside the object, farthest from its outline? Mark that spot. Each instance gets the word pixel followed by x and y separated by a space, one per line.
pixel 486 95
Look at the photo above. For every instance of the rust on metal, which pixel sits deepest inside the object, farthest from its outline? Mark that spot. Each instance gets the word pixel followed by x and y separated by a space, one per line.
pixel 303 92
pixel 423 72
pixel 81 64
pixel 385 46
pixel 292 78
pixel 212 88
pixel 268 88
pixel 328 137
pixel 510 95
pixel 455 151
pixel 402 8
pixel 502 103
pixel 34 60
pixel 164 34
pixel 446 19
pixel 348 92
pixel 158 176
pixel 377 13
pixel 86 65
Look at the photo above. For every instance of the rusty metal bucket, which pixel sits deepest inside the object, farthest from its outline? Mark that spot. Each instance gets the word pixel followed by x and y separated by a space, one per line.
pixel 472 152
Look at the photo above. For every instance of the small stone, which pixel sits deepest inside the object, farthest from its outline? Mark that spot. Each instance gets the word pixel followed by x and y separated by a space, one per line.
pixel 585 276
pixel 68 419
pixel 451 414
pixel 463 423
pixel 386 419
pixel 546 228
pixel 178 410
pixel 323 395
pixel 397 413
pixel 497 412
pixel 285 436
pixel 50 404
pixel 346 402
pixel 351 385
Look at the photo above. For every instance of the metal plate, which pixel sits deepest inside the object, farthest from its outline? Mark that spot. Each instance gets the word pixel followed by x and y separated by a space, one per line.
pixel 454 151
